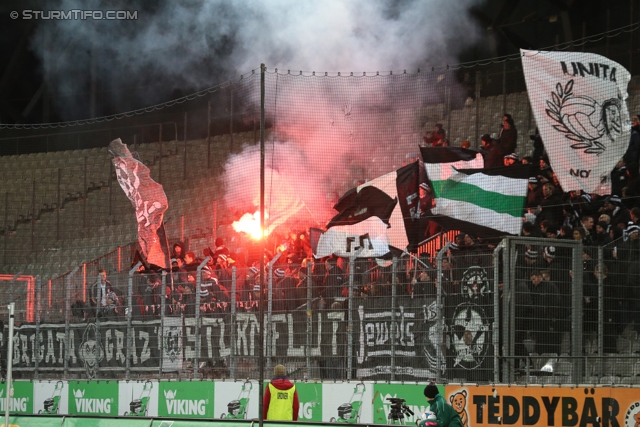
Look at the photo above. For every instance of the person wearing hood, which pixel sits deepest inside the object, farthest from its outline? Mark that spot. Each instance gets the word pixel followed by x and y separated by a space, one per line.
pixel 178 253
pixel 508 135
pixel 446 415
pixel 280 401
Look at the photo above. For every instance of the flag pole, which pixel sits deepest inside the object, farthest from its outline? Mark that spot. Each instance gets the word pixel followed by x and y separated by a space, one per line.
pixel 416 258
pixel 168 260
pixel 262 246
pixel 9 390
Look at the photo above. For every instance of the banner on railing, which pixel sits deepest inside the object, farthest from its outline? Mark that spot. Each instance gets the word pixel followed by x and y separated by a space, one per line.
pixel 405 342
pixel 413 324
pixel 172 344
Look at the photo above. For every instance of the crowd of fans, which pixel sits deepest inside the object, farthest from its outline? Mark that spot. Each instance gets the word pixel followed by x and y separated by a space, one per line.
pixel 543 271
pixel 543 292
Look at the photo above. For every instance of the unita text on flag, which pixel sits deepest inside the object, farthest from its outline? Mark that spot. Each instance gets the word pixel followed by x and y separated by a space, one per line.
pixel 148 199
pixel 578 101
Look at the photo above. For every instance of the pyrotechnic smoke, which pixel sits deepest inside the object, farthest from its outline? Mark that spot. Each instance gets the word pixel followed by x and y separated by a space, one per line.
pixel 196 44
pixel 326 138
pixel 329 137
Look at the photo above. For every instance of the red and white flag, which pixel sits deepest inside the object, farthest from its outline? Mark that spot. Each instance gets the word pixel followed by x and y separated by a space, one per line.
pixel 148 199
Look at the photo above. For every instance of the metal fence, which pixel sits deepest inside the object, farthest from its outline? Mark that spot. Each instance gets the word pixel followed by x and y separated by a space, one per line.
pixel 515 313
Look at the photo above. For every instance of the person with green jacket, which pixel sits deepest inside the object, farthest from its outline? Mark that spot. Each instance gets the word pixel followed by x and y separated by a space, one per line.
pixel 446 415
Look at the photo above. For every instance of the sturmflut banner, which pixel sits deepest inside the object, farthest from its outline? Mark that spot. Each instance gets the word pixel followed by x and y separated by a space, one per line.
pixel 410 333
pixel 578 101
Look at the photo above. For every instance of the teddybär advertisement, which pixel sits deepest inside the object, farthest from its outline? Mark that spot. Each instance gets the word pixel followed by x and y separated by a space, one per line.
pixel 552 406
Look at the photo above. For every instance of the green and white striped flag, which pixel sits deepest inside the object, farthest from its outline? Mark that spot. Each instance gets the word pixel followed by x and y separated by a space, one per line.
pixel 482 202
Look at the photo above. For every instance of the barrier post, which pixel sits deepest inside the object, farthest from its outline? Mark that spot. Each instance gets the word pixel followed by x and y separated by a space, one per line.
pixel 130 338
pixel 232 335
pixel 394 294
pixel 197 307
pixel 9 389
pixel 36 351
pixel 67 320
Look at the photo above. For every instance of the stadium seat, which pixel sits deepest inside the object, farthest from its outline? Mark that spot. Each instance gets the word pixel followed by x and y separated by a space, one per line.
pixel 628 342
pixel 548 362
pixel 563 366
pixel 609 380
pixel 614 365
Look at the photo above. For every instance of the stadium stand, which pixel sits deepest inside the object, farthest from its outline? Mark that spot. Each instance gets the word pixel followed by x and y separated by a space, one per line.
pixel 86 204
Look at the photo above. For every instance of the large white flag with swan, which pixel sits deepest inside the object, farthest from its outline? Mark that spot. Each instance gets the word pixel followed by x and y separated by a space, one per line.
pixel 578 101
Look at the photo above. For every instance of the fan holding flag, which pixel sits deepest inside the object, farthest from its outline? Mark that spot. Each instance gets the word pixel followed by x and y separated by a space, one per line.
pixel 377 216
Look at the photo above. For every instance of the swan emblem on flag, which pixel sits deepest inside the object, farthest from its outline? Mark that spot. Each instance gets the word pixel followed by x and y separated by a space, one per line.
pixel 583 120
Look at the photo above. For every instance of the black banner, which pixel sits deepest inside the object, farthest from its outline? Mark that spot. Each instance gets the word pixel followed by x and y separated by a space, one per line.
pixel 409 333
pixel 411 352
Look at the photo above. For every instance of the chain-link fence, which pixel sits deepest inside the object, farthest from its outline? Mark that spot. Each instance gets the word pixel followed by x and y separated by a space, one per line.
pixel 514 313
pixel 325 133
pixel 518 311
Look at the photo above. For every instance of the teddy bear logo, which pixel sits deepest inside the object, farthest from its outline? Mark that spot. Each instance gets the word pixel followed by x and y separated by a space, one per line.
pixel 583 120
pixel 637 418
pixel 459 403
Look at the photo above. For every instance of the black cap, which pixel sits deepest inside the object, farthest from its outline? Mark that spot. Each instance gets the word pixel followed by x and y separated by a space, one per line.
pixel 430 391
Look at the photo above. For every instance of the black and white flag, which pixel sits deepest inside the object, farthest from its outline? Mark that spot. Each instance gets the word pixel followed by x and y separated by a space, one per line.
pixel 374 216
pixel 578 100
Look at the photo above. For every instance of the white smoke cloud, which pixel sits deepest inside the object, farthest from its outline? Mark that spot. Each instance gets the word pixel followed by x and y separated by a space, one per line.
pixel 196 44
pixel 326 137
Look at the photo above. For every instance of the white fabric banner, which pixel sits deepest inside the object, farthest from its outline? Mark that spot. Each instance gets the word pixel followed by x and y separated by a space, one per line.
pixel 365 239
pixel 578 101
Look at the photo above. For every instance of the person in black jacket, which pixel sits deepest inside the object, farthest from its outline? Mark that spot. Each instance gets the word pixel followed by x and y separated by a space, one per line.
pixel 551 206
pixel 613 300
pixel 508 136
pixel 492 152
pixel 544 297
